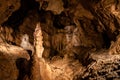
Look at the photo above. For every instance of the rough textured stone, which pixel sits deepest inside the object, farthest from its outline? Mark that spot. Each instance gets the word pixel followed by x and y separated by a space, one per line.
pixel 105 67
pixel 9 54
pixel 72 31
pixel 55 6
pixel 7 7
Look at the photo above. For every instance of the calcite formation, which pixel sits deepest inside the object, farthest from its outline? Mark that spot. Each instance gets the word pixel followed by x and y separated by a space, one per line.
pixel 75 40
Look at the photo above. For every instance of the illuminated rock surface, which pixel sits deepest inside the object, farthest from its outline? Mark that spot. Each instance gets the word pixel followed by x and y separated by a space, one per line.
pixel 78 40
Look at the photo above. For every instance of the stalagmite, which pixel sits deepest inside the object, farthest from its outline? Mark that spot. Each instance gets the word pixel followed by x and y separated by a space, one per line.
pixel 38 43
pixel 40 68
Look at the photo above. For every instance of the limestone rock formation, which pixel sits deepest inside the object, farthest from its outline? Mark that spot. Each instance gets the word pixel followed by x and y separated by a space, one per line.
pixel 105 67
pixel 75 40
pixel 9 54
pixel 7 7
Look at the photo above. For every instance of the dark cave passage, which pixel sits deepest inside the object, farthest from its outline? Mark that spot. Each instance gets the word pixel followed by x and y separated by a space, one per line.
pixel 107 41
pixel 18 16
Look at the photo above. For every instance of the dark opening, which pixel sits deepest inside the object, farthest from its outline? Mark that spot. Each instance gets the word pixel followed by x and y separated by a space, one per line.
pixel 18 16
pixel 107 40
pixel 62 20
pixel 22 65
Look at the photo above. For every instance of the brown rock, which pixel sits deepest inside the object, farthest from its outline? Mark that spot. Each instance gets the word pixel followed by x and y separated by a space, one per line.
pixel 7 7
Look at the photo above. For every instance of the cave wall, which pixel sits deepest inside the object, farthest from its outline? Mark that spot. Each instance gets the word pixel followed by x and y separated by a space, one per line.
pixel 95 24
pixel 7 7
pixel 71 28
